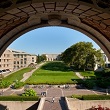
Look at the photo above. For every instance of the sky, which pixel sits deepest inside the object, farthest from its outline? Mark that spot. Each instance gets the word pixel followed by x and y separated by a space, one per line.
pixel 49 40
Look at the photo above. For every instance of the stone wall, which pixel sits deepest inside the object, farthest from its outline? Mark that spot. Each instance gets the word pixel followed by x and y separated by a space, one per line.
pixel 19 105
pixel 85 105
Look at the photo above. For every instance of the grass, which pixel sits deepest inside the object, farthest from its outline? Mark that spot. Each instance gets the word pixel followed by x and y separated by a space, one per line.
pixel 87 73
pixel 16 75
pixel 53 73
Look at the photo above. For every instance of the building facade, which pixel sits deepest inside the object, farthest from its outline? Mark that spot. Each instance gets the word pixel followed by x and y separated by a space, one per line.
pixel 6 60
pixel 13 60
pixel 52 57
pixel 106 62
pixel 105 58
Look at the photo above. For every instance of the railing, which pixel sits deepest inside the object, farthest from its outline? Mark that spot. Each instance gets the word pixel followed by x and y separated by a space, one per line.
pixel 41 104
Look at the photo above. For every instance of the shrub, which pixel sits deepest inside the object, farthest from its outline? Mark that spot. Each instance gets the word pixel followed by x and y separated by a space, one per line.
pixel 19 98
pixel 89 84
pixel 92 97
pixel 96 97
pixel 77 96
pixel 18 85
pixel 102 83
pixel 106 72
pixel 29 92
pixel 103 73
pixel 4 84
pixel 99 108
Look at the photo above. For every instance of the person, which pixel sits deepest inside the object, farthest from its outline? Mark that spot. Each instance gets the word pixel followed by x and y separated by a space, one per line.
pixel 53 99
pixel 2 91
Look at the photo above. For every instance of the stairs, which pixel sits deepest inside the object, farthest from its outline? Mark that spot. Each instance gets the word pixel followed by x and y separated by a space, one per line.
pixel 58 104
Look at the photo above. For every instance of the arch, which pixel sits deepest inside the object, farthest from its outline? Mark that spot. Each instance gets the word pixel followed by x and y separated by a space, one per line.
pixel 89 17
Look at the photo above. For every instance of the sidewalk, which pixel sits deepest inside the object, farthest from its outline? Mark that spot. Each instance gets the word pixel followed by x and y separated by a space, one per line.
pixel 80 76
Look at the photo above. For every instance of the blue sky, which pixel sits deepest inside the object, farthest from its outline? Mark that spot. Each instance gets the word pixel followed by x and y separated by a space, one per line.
pixel 49 40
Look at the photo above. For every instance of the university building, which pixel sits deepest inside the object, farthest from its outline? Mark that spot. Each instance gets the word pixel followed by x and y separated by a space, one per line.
pixel 52 57
pixel 13 60
pixel 107 62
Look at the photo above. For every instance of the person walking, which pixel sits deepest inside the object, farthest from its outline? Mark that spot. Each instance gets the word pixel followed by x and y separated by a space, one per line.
pixel 53 99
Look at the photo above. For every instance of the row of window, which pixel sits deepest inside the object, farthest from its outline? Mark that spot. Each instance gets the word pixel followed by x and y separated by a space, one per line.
pixel 4 65
pixel 6 55
pixel 18 62
pixel 16 67
pixel 4 60
pixel 19 56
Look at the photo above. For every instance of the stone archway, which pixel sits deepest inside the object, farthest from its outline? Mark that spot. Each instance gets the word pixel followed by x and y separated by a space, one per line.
pixel 90 17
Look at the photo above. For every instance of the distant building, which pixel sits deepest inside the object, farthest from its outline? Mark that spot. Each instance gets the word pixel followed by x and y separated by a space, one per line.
pixel 107 62
pixel 52 57
pixel 6 60
pixel 23 59
pixel 13 59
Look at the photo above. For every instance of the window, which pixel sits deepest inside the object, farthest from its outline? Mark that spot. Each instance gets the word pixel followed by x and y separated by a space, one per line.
pixel 25 58
pixel 17 62
pixel 17 56
pixel 8 55
pixel 14 62
pixel 24 62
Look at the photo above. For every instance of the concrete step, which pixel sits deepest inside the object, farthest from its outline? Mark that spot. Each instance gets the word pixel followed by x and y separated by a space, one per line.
pixel 58 104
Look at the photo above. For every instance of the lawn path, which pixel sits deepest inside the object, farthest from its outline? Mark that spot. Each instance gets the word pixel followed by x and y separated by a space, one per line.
pixel 28 74
pixel 79 75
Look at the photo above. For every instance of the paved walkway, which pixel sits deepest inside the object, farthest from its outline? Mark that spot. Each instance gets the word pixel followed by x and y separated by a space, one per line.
pixel 58 104
pixel 79 75
pixel 54 91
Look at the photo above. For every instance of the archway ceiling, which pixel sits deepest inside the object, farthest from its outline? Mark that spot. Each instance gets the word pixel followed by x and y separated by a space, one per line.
pixel 94 13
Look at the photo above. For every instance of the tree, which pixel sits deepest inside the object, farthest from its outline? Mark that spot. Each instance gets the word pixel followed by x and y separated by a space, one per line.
pixel 82 55
pixel 38 59
pixel 41 58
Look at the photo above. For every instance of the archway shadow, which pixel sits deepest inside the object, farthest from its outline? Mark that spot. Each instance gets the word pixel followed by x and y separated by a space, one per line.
pixel 63 103
pixel 2 107
pixel 33 107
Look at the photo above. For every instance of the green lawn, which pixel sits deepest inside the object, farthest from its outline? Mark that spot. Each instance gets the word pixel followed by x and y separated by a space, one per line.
pixel 87 73
pixel 16 75
pixel 53 73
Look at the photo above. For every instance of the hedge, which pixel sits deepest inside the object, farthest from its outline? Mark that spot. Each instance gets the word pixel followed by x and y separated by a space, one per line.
pixel 19 98
pixel 92 97
pixel 96 97
pixel 77 96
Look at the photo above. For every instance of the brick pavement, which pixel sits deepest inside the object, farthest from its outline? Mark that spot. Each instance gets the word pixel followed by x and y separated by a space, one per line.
pixel 55 91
